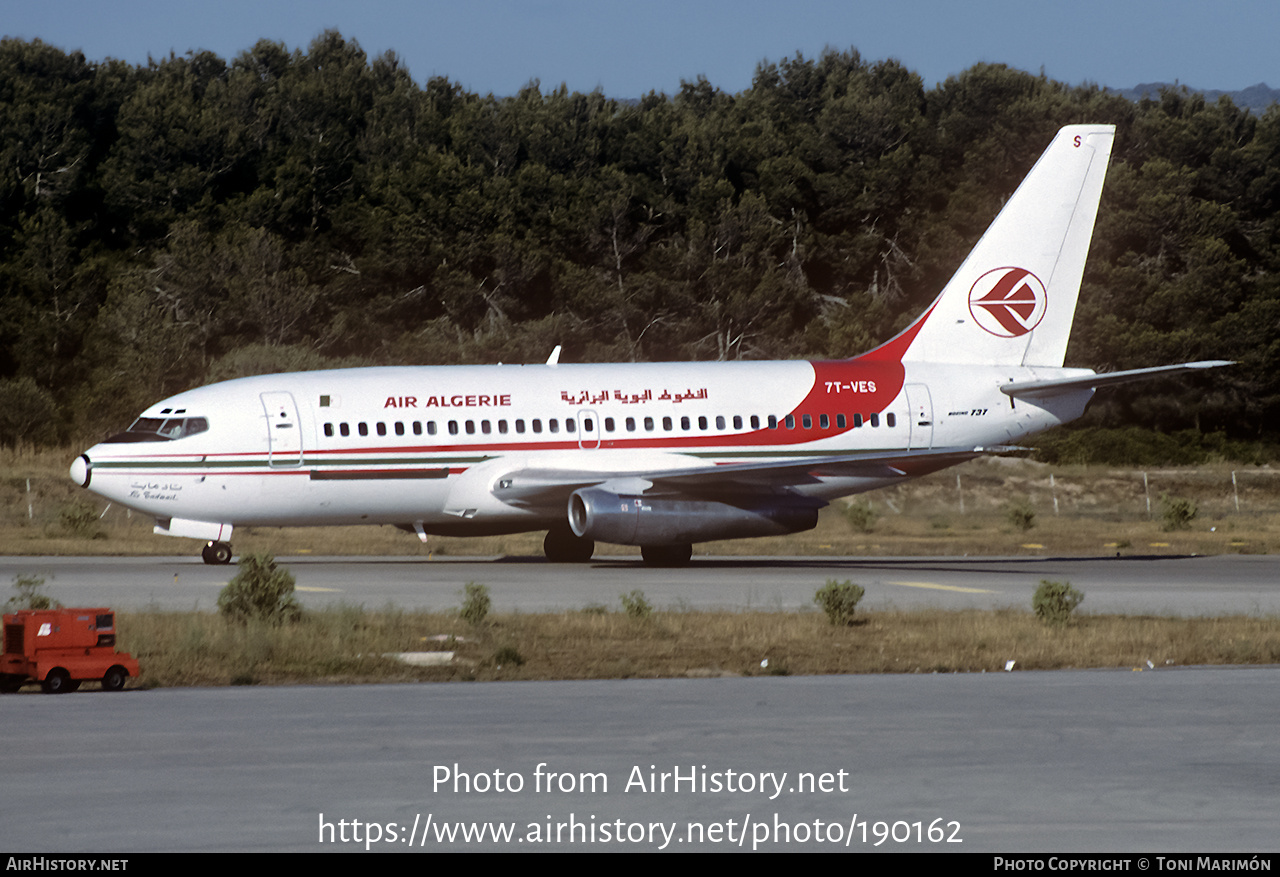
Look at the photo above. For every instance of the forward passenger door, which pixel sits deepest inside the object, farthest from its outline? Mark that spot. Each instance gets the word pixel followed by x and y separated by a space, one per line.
pixel 284 435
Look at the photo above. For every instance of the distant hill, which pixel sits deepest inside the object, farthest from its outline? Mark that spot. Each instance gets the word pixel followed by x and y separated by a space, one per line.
pixel 1255 98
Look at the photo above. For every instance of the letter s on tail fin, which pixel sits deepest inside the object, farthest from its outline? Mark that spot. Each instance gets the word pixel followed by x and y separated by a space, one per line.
pixel 1013 299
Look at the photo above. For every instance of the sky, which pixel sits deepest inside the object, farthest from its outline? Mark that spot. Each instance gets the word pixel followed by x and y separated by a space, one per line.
pixel 627 49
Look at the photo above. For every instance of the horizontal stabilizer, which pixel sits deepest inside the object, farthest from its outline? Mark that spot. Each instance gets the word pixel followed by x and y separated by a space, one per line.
pixel 1057 385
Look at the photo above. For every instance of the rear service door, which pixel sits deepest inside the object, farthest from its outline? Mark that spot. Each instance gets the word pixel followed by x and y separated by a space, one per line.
pixel 921 416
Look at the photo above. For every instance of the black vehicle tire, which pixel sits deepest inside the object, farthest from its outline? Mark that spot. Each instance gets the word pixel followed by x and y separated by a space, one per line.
pixel 58 681
pixel 114 679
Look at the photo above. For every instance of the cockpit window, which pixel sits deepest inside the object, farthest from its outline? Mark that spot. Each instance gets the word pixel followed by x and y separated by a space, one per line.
pixel 161 429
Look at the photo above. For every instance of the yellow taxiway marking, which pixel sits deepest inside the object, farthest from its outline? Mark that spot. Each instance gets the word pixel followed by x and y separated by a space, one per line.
pixel 937 587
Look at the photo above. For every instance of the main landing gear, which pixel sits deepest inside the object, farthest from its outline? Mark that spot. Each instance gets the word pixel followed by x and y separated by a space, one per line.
pixel 667 555
pixel 563 546
pixel 217 553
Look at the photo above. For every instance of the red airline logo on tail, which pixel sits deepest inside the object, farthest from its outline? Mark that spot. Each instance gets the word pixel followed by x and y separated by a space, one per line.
pixel 1008 301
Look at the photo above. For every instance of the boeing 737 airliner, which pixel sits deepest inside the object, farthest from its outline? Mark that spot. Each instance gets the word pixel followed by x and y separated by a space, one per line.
pixel 659 455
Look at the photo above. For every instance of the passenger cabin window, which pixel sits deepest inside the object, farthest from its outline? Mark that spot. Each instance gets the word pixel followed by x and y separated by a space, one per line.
pixel 170 428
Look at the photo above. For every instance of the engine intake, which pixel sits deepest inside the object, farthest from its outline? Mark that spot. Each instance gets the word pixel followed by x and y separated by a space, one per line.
pixel 600 514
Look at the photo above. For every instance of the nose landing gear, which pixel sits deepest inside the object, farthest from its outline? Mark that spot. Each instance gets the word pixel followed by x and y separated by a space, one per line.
pixel 217 553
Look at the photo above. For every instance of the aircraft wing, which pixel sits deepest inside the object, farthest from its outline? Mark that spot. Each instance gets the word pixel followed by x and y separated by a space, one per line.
pixel 1058 385
pixel 545 486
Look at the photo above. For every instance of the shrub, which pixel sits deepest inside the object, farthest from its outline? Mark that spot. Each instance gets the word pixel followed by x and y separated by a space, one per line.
pixel 839 601
pixel 475 603
pixel 1177 513
pixel 636 605
pixel 508 655
pixel 27 412
pixel 80 519
pixel 260 590
pixel 1055 601
pixel 1021 515
pixel 29 596
pixel 861 516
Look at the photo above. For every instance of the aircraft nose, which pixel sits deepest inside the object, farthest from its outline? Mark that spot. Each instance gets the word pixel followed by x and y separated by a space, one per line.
pixel 81 470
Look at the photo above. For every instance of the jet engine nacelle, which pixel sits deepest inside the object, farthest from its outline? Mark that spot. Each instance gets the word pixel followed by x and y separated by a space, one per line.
pixel 600 514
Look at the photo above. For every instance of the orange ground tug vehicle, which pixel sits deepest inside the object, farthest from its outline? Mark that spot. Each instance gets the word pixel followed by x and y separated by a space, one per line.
pixel 60 648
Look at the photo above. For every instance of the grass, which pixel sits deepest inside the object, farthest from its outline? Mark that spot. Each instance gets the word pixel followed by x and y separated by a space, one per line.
pixel 1099 510
pixel 353 645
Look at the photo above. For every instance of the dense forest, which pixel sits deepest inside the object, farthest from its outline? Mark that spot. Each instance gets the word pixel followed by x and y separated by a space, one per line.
pixel 196 219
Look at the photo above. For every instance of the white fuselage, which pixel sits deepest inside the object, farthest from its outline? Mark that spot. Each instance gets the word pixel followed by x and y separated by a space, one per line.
pixel 429 446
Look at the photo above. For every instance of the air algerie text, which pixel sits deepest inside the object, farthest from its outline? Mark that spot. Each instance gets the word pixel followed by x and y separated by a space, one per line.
pixel 470 401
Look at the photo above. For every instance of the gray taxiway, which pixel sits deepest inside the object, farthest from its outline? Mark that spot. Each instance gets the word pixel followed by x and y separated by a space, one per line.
pixel 1160 762
pixel 1183 585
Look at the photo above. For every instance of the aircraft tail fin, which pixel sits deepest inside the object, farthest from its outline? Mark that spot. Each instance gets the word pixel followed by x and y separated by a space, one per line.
pixel 1014 298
